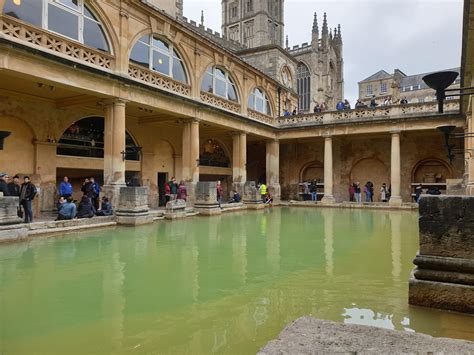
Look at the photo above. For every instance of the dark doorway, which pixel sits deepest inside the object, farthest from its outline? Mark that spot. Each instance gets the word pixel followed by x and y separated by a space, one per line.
pixel 162 180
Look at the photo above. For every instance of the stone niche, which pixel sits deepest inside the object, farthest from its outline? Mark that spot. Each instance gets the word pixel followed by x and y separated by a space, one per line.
pixel 444 273
pixel 8 210
pixel 133 206
pixel 206 198
pixel 252 197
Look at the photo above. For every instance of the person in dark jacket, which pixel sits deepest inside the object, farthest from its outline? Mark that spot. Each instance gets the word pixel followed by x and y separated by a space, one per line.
pixel 14 187
pixel 85 209
pixel 27 195
pixel 3 184
pixel 88 188
pixel 95 192
pixel 106 209
pixel 313 188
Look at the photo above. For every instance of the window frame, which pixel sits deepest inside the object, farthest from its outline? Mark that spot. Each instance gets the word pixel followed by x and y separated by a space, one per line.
pixel 383 88
pixel 264 98
pixel 303 86
pixel 228 82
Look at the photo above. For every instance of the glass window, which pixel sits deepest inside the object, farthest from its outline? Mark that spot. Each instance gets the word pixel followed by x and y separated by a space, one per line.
pixel 70 18
pixel 218 82
pixel 30 11
pixel 369 90
pixel 383 88
pixel 258 101
pixel 303 80
pixel 162 58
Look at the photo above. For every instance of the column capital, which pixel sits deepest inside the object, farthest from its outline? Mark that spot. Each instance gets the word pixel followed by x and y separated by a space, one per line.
pixel 327 136
pixel 114 102
pixel 395 131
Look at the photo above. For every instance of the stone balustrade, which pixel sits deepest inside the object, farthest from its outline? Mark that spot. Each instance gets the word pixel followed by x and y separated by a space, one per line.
pixel 217 101
pixel 154 78
pixel 21 32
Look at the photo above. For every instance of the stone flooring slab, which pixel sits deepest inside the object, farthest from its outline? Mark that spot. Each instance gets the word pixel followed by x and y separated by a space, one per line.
pixel 308 335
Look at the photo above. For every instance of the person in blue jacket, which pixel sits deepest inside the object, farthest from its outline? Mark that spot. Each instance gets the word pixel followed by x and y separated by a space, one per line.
pixel 65 188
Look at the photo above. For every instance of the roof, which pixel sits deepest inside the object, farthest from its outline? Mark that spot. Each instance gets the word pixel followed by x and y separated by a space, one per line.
pixel 417 79
pixel 380 75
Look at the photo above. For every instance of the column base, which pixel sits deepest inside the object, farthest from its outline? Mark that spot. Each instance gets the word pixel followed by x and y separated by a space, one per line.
pixel 275 192
pixel 395 201
pixel 190 193
pixel 112 192
pixel 328 200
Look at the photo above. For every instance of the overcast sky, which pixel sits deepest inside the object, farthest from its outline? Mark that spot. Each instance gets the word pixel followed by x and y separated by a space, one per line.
pixel 415 36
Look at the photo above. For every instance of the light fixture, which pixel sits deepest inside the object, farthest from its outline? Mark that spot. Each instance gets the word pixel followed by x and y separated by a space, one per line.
pixel 3 135
pixel 160 61
pixel 448 133
pixel 17 2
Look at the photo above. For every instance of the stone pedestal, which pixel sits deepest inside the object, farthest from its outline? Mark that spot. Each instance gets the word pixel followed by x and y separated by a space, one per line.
pixel 8 210
pixel 133 206
pixel 251 196
pixel 206 198
pixel 175 209
pixel 444 276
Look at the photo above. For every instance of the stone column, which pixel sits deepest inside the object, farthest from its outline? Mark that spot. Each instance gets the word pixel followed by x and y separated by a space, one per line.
pixel 273 169
pixel 395 198
pixel 45 177
pixel 469 148
pixel 239 161
pixel 114 145
pixel 190 157
pixel 328 198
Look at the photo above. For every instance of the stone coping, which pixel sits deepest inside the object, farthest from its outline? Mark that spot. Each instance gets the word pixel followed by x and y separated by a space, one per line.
pixel 354 205
pixel 308 335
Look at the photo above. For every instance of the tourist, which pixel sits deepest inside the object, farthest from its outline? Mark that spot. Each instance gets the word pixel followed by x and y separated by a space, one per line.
pixel 340 106
pixel 357 192
pixel 383 193
pixel 294 112
pixel 14 187
pixel 286 113
pixel 388 101
pixel 167 192
pixel 235 197
pixel 263 190
pixel 173 188
pixel 219 193
pixel 351 192
pixel 61 202
pixel 373 102
pixel 434 191
pixel 87 188
pixel 268 200
pixel 404 101
pixel 95 192
pixel 347 105
pixel 323 107
pixel 27 195
pixel 360 104
pixel 418 191
pixel 4 184
pixel 371 190
pixel 67 209
pixel 313 189
pixel 367 190
pixel 106 208
pixel 65 188
pixel 182 194
pixel 85 209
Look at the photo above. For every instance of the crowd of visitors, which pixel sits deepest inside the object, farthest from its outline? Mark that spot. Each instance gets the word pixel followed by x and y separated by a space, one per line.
pixel 175 191
pixel 355 192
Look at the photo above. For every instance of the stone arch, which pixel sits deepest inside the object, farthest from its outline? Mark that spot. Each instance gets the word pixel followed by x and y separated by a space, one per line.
pixel 370 169
pixel 269 97
pixel 15 160
pixel 431 170
pixel 110 33
pixel 214 152
pixel 233 77
pixel 313 170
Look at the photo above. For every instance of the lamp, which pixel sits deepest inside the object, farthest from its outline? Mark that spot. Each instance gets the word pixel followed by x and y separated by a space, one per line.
pixel 440 81
pixel 3 135
pixel 448 132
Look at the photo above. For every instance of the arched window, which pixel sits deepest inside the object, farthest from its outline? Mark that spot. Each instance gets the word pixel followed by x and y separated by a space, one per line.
pixel 218 82
pixel 85 138
pixel 303 82
pixel 258 101
pixel 211 153
pixel 159 56
pixel 70 18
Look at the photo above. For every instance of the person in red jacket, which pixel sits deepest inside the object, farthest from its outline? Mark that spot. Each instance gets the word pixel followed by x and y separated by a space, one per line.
pixel 219 193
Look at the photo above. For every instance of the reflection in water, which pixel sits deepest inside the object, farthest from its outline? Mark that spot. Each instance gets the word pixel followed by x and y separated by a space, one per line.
pixel 225 284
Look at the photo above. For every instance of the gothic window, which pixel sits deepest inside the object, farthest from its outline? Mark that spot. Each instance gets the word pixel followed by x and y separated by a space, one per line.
pixel 159 56
pixel 218 82
pixel 258 101
pixel 233 11
pixel 303 82
pixel 70 18
pixel 249 5
pixel 85 138
pixel 234 33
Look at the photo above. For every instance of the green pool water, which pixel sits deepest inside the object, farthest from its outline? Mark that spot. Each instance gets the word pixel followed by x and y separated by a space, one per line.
pixel 224 284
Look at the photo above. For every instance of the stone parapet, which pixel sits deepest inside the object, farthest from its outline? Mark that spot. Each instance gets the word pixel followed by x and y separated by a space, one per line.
pixel 444 273
pixel 8 210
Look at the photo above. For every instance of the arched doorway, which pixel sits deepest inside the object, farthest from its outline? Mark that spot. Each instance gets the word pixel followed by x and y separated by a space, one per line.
pixel 312 171
pixel 431 173
pixel 370 169
pixel 214 164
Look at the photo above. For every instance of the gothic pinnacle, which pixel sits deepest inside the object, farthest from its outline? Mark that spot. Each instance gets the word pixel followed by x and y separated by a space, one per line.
pixel 202 17
pixel 325 25
pixel 315 24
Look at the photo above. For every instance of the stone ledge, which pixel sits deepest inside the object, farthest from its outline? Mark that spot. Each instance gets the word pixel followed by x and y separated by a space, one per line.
pixel 308 335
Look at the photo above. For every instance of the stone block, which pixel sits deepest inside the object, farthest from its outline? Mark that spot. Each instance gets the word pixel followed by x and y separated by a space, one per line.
pixel 206 193
pixel 8 210
pixel 251 194
pixel 12 235
pixel 447 226
pixel 133 206
pixel 176 205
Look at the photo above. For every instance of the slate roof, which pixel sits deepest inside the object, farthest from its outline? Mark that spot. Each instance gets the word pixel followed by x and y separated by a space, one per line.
pixel 380 75
pixel 417 79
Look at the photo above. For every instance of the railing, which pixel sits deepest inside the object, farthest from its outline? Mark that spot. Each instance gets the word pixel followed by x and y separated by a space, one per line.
pixel 368 114
pixel 22 32
pixel 153 78
pixel 217 101
pixel 260 116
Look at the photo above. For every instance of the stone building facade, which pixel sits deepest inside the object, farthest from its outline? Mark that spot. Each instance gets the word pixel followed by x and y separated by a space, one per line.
pixel 150 97
pixel 399 85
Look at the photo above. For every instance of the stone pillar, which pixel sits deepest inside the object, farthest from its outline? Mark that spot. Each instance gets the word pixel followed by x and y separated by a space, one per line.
pixel 190 158
pixel 328 198
pixel 133 206
pixel 469 148
pixel 206 198
pixel 45 176
pixel 239 161
pixel 114 145
pixel 395 198
pixel 273 169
